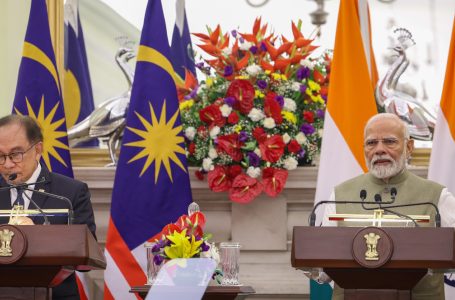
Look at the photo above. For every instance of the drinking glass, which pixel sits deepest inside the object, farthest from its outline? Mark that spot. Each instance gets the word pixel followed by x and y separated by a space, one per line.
pixel 230 254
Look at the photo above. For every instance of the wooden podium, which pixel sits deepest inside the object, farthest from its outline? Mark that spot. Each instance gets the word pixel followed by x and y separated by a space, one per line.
pixel 404 256
pixel 34 259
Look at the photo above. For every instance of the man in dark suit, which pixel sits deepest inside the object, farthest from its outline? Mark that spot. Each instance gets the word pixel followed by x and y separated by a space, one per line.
pixel 21 146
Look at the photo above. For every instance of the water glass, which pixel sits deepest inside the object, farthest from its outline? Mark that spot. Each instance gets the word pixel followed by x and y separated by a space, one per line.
pixel 152 268
pixel 230 254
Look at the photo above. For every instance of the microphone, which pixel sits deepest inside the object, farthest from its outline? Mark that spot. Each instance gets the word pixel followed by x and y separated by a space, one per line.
pixel 25 186
pixel 363 195
pixel 378 198
pixel 393 194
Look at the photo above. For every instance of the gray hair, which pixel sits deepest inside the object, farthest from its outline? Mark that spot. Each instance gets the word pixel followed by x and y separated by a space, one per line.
pixel 387 116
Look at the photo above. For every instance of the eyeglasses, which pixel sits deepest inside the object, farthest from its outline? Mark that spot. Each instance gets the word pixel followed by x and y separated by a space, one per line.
pixel 390 143
pixel 15 157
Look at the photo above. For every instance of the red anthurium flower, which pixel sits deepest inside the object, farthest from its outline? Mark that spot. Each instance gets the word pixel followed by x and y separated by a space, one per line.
pixel 274 181
pixel 308 116
pixel 231 145
pixel 294 147
pixel 198 219
pixel 259 134
pixel 243 91
pixel 272 148
pixel 182 222
pixel 233 118
pixel 219 180
pixel 244 189
pixel 170 228
pixel 272 108
pixel 211 115
pixel 234 170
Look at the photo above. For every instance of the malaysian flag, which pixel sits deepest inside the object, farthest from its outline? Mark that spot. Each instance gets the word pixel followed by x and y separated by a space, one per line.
pixel 152 186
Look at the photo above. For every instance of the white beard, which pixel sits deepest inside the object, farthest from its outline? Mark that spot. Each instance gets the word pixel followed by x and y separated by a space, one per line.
pixel 383 172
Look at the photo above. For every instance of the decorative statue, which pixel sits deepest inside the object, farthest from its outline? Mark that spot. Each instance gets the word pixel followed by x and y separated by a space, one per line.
pixel 420 121
pixel 109 118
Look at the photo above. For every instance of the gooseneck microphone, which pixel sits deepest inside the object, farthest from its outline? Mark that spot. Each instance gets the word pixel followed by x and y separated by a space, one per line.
pixel 378 198
pixel 25 186
pixel 363 195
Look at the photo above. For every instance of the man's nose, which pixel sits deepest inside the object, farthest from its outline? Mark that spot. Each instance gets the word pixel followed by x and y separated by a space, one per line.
pixel 380 148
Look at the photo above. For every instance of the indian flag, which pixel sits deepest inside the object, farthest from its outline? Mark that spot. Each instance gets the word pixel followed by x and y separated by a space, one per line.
pixel 443 153
pixel 351 103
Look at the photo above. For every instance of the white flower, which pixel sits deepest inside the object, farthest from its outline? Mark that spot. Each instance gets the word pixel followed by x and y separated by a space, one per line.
pixel 286 138
pixel 256 115
pixel 301 138
pixel 212 253
pixel 290 163
pixel 214 131
pixel 190 132
pixel 225 110
pixel 253 70
pixel 289 104
pixel 295 86
pixel 226 51
pixel 306 63
pixel 212 153
pixel 257 151
pixel 207 164
pixel 245 46
pixel 320 132
pixel 269 123
pixel 201 89
pixel 253 172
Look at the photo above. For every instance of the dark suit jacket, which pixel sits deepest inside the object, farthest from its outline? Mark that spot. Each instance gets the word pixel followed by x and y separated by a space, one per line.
pixel 79 196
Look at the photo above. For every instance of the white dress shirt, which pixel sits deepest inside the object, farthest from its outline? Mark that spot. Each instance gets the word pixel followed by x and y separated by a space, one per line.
pixel 28 194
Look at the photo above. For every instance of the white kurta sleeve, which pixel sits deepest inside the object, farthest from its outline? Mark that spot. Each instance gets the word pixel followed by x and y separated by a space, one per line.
pixel 446 206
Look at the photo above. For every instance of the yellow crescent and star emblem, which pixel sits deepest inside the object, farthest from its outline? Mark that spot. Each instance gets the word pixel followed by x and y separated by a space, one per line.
pixel 161 139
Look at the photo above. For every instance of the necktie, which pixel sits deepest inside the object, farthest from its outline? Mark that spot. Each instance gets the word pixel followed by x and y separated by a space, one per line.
pixel 19 199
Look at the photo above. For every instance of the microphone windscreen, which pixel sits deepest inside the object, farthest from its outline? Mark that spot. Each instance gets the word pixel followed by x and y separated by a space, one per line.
pixel 377 198
pixel 393 192
pixel 363 194
pixel 12 177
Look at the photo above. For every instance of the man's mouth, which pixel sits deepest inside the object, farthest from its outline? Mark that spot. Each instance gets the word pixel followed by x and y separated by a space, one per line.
pixel 382 162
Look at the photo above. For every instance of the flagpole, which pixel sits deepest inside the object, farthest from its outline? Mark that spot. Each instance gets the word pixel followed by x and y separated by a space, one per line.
pixel 55 12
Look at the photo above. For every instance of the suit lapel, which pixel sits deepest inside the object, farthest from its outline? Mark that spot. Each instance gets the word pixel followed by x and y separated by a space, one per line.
pixel 5 196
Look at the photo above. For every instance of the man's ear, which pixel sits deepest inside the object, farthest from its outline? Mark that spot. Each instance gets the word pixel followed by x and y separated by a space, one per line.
pixel 409 147
pixel 39 150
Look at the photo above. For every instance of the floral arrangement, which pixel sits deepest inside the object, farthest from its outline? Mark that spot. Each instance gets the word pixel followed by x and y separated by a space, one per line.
pixel 258 113
pixel 185 239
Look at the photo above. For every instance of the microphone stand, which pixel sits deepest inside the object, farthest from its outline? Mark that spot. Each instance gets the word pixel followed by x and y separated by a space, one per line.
pixel 46 220
pixel 70 205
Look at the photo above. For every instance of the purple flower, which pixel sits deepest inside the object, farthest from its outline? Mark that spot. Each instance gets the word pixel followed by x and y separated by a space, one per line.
pixel 262 84
pixel 241 39
pixel 280 100
pixel 234 33
pixel 199 65
pixel 243 136
pixel 320 113
pixel 307 129
pixel 324 97
pixel 157 259
pixel 303 72
pixel 228 70
pixel 229 101
pixel 205 247
pixel 192 94
pixel 301 153
pixel 254 49
pixel 254 159
pixel 303 88
pixel 263 46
